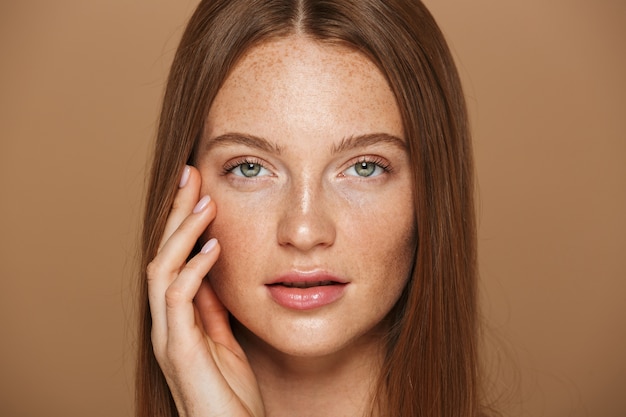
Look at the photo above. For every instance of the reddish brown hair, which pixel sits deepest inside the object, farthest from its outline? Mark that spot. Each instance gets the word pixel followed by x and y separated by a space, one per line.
pixel 431 364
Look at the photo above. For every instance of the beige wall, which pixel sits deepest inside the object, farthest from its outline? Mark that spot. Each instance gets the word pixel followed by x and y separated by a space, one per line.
pixel 80 83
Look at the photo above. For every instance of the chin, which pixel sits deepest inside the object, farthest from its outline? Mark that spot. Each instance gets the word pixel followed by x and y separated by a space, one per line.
pixel 310 340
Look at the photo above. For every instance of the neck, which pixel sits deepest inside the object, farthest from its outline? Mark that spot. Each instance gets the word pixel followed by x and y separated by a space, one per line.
pixel 341 384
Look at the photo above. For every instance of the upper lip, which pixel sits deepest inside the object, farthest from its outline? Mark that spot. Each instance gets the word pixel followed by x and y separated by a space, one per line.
pixel 307 279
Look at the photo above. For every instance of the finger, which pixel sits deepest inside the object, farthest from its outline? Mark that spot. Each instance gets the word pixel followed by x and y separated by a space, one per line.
pixel 170 261
pixel 182 326
pixel 186 197
pixel 215 318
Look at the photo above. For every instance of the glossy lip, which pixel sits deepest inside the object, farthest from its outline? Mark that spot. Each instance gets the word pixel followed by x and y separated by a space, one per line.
pixel 291 290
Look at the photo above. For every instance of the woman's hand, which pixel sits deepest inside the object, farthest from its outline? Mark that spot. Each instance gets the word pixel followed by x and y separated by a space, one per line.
pixel 205 368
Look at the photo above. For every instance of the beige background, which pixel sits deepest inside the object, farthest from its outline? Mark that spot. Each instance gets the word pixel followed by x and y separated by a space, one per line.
pixel 80 84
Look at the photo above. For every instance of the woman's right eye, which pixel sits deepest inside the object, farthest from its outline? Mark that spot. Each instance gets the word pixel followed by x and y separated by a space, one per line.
pixel 247 169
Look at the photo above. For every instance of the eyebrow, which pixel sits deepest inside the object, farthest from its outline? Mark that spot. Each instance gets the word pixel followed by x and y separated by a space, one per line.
pixel 346 144
pixel 363 141
pixel 243 139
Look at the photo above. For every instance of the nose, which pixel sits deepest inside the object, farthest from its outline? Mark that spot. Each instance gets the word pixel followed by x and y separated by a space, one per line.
pixel 306 221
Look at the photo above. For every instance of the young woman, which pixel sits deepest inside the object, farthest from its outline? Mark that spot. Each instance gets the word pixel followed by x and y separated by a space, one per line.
pixel 309 237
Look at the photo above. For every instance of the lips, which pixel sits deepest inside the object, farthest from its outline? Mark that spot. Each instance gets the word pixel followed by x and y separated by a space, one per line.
pixel 306 284
pixel 306 291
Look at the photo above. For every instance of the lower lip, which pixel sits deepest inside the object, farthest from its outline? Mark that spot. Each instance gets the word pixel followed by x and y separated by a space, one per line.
pixel 306 298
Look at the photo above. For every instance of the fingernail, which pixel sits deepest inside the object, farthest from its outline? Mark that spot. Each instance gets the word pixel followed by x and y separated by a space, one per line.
pixel 209 246
pixel 185 177
pixel 204 201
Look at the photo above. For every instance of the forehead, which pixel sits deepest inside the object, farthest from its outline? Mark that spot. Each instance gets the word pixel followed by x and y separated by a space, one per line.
pixel 303 85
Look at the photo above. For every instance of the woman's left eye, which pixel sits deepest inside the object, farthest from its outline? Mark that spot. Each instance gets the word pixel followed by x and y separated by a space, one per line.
pixel 366 169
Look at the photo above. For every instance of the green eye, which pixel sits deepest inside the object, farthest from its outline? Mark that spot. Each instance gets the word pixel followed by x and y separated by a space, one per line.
pixel 365 169
pixel 250 169
pixel 368 166
pixel 247 168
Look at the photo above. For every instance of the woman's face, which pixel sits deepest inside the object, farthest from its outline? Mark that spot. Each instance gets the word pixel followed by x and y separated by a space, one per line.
pixel 304 155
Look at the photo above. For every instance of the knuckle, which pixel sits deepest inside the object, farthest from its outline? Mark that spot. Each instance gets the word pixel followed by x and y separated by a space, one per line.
pixel 174 297
pixel 154 269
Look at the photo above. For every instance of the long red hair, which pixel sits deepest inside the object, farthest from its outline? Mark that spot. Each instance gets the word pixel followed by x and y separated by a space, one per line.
pixel 430 368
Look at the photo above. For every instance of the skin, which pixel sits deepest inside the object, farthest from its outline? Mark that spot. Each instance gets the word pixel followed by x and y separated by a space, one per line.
pixel 299 117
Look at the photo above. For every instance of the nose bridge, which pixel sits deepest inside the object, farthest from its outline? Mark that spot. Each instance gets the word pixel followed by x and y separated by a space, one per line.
pixel 307 220
pixel 304 194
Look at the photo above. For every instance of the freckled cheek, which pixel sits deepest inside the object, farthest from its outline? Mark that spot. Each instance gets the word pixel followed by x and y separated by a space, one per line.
pixel 243 226
pixel 387 241
pixel 390 257
pixel 386 216
pixel 383 231
pixel 381 249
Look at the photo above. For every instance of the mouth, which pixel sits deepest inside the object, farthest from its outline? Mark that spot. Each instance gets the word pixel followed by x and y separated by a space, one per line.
pixel 304 284
pixel 306 291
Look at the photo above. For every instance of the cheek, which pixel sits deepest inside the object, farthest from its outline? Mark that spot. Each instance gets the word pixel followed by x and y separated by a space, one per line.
pixel 392 249
pixel 381 224
pixel 242 218
pixel 391 265
pixel 387 236
pixel 236 232
pixel 243 228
